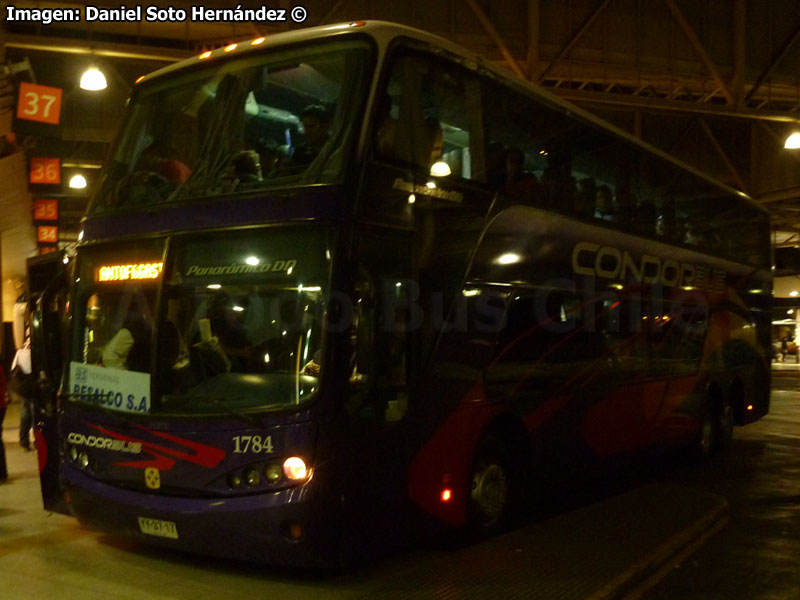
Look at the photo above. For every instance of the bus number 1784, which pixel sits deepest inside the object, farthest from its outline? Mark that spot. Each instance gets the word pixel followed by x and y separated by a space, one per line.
pixel 242 444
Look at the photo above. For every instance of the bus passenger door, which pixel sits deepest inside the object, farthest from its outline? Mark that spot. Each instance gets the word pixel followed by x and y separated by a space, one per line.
pixel 47 282
pixel 377 406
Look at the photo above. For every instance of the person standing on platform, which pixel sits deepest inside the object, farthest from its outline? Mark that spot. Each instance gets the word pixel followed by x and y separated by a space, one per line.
pixel 3 406
pixel 22 383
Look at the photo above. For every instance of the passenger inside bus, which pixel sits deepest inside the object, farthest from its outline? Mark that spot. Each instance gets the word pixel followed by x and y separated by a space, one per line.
pixel 268 155
pixel 173 356
pixel 586 197
pixel 96 330
pixel 434 140
pixel 385 138
pixel 246 167
pixel 495 165
pixel 520 185
pixel 129 348
pixel 235 323
pixel 558 181
pixel 162 156
pixel 604 204
pixel 316 125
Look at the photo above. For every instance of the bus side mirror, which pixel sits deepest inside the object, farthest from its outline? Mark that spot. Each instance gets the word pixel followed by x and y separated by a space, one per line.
pixel 364 336
pixel 47 283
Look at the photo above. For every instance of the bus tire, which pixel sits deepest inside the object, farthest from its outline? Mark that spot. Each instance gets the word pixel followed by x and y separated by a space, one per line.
pixel 704 440
pixel 491 488
pixel 724 424
pixel 716 427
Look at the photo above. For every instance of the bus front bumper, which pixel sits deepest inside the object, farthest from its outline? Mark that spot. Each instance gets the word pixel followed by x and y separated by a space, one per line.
pixel 295 526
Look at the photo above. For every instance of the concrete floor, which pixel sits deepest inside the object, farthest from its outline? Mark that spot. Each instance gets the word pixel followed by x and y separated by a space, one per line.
pixel 49 556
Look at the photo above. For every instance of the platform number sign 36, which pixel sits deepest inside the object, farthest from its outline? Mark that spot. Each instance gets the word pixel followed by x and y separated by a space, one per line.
pixel 45 171
pixel 39 103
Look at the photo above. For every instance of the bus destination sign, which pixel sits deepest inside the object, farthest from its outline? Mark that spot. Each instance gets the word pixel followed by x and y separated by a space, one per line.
pixel 129 272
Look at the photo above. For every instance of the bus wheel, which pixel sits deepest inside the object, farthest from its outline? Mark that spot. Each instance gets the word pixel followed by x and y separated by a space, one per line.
pixel 716 428
pixel 724 425
pixel 704 443
pixel 490 493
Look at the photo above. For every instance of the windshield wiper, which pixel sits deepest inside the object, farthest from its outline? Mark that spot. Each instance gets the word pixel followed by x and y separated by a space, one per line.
pixel 191 399
pixel 223 128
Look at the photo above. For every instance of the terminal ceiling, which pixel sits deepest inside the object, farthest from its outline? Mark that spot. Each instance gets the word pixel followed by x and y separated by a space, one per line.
pixel 714 82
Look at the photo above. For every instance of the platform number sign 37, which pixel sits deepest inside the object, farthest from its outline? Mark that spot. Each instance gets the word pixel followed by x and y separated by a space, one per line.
pixel 39 103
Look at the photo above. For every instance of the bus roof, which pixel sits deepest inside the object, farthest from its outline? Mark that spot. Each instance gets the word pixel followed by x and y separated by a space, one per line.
pixel 384 32
pixel 379 30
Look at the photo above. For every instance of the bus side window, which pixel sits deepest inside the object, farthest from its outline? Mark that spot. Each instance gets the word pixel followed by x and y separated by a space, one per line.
pixel 677 333
pixel 428 116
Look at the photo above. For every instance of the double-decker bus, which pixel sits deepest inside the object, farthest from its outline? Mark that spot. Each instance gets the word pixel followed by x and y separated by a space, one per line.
pixel 343 280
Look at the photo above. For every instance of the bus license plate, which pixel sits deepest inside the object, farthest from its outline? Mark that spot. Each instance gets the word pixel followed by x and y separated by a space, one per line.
pixel 158 528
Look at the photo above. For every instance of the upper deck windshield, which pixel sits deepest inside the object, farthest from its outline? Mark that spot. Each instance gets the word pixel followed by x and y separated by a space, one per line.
pixel 279 118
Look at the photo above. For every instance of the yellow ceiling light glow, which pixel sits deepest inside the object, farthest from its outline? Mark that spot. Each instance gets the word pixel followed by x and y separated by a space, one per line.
pixel 93 80
pixel 793 141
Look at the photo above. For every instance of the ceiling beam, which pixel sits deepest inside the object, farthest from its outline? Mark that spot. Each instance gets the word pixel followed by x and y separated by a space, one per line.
pixel 779 55
pixel 496 38
pixel 331 12
pixel 577 36
pixel 739 51
pixel 659 104
pixel 723 156
pixel 792 193
pixel 107 49
pixel 534 13
pixel 694 40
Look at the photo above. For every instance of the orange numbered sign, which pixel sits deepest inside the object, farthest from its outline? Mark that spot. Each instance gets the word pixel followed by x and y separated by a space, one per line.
pixel 47 234
pixel 39 103
pixel 45 170
pixel 45 210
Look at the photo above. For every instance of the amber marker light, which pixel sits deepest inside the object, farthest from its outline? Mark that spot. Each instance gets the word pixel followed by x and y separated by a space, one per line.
pixel 446 495
pixel 749 407
pixel 205 55
pixel 139 79
pixel 230 47
pixel 258 41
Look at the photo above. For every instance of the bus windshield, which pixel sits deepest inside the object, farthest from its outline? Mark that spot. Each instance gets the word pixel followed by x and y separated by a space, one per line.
pixel 264 120
pixel 237 327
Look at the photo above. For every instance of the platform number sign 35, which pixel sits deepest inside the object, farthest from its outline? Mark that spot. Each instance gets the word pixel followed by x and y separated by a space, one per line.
pixel 40 103
pixel 45 209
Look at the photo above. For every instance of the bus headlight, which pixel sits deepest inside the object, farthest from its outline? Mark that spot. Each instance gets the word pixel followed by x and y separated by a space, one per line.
pixel 83 459
pixel 73 453
pixel 251 476
pixel 273 473
pixel 295 468
pixel 234 480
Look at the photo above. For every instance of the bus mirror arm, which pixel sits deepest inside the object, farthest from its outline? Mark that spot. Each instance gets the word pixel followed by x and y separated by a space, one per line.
pixel 363 349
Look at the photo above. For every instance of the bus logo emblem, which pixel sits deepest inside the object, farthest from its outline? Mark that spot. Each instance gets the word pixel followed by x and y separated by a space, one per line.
pixel 152 478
